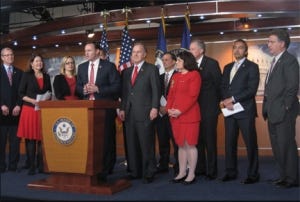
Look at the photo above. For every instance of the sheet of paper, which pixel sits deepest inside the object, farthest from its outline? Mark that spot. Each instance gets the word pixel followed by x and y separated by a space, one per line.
pixel 237 107
pixel 42 97
pixel 163 101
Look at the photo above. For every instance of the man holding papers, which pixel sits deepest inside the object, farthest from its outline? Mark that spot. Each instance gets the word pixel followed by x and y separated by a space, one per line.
pixel 164 130
pixel 238 88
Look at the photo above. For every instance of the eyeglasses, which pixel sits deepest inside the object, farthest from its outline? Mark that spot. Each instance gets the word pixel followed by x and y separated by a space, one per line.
pixel 67 63
pixel 7 55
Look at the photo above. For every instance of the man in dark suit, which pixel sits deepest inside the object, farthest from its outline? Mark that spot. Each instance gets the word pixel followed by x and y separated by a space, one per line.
pixel 209 100
pixel 280 108
pixel 239 85
pixel 10 103
pixel 139 107
pixel 99 79
pixel 164 129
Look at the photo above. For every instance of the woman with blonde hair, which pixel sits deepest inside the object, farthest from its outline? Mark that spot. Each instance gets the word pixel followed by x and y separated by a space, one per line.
pixel 64 84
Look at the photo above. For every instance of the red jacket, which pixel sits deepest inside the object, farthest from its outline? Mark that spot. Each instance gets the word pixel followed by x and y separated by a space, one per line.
pixel 183 95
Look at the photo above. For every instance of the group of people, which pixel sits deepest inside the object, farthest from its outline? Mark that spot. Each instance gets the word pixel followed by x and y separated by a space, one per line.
pixel 182 106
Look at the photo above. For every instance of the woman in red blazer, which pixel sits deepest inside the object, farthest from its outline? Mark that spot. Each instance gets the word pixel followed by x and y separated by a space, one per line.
pixel 184 112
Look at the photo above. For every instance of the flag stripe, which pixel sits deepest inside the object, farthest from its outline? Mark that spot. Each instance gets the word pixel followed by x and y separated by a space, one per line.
pixel 126 48
pixel 103 43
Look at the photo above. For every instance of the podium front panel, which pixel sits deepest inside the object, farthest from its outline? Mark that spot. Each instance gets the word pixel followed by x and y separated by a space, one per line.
pixel 65 139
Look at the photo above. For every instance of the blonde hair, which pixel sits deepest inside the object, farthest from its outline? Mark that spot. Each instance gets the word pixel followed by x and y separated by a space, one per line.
pixel 62 69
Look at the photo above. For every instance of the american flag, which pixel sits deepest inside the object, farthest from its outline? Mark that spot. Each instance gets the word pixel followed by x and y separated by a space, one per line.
pixel 126 48
pixel 103 43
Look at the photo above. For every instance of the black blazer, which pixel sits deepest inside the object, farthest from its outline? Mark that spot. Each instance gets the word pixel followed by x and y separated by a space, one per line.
pixel 108 80
pixel 9 95
pixel 144 95
pixel 243 87
pixel 30 87
pixel 61 87
pixel 210 95
pixel 282 89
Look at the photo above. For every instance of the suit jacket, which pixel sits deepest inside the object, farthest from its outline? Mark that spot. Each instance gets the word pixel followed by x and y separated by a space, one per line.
pixel 30 87
pixel 144 95
pixel 210 95
pixel 243 87
pixel 280 94
pixel 108 80
pixel 9 95
pixel 162 84
pixel 61 87
pixel 184 92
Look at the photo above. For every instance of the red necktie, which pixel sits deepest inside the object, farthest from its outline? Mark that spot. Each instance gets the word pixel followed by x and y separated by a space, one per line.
pixel 135 73
pixel 91 96
pixel 9 74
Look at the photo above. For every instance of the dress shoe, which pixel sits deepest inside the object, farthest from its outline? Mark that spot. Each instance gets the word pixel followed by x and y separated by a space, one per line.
pixel 178 180
pixel 31 171
pixel 148 180
pixel 228 178
pixel 278 182
pixel 12 169
pixel 288 185
pixel 131 177
pixel 250 180
pixel 189 182
pixel 25 166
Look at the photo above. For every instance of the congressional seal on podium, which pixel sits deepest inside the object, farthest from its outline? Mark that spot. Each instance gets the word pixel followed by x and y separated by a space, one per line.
pixel 64 131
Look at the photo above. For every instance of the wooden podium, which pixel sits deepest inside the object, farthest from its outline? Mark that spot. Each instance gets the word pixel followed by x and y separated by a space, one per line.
pixel 73 134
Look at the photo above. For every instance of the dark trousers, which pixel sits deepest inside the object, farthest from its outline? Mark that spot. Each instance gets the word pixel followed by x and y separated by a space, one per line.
pixel 207 147
pixel 10 133
pixel 109 147
pixel 140 140
pixel 284 147
pixel 165 134
pixel 248 130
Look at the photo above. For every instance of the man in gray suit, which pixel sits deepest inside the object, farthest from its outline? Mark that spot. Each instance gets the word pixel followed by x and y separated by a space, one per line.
pixel 280 108
pixel 139 107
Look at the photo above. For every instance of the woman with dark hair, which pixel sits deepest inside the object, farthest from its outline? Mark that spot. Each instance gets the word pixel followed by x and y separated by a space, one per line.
pixel 33 82
pixel 64 84
pixel 184 112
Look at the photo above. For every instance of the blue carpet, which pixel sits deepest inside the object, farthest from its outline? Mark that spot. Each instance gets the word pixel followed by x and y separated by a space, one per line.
pixel 14 187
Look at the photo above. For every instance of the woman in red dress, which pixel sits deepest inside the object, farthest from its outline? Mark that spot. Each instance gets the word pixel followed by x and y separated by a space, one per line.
pixel 184 112
pixel 33 82
pixel 65 83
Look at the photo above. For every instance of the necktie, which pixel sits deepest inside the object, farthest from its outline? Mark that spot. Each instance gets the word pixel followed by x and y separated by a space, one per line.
pixel 271 69
pixel 233 71
pixel 166 82
pixel 91 96
pixel 9 74
pixel 134 75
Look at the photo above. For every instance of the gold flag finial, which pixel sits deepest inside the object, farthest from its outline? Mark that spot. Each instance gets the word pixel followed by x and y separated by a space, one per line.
pixel 104 14
pixel 126 10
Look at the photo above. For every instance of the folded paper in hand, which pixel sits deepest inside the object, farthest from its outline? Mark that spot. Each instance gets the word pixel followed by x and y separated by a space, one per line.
pixel 42 97
pixel 163 103
pixel 237 107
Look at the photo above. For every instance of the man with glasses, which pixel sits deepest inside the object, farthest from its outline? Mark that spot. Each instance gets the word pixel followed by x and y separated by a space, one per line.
pixel 10 102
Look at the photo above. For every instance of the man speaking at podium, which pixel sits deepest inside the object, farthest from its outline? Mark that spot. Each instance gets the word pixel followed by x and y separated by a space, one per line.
pixel 99 79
